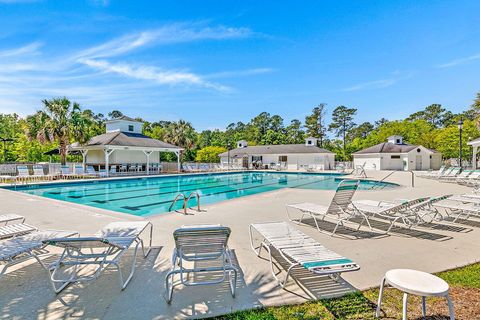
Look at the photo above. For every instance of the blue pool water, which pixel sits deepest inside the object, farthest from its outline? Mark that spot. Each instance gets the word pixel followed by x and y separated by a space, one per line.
pixel 145 196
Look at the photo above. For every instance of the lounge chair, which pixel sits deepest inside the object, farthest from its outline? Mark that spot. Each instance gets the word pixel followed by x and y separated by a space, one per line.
pixel 66 172
pixel 9 217
pixel 91 171
pixel 104 249
pixel 467 205
pixel 15 229
pixel 459 177
pixel 449 174
pixel 472 180
pixel 403 211
pixel 340 208
pixel 38 173
pixel 298 250
pixel 433 173
pixel 23 173
pixel 197 244
pixel 31 245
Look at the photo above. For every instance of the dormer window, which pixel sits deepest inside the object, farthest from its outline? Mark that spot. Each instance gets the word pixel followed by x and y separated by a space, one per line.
pixel 130 128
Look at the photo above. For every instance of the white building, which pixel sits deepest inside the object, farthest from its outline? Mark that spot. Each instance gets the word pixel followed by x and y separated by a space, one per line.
pixel 124 144
pixel 397 155
pixel 290 156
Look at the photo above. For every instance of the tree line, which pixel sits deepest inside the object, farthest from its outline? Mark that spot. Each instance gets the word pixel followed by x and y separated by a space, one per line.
pixel 61 122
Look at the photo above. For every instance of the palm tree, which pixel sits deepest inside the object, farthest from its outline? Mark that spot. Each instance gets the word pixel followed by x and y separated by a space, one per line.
pixel 60 120
pixel 181 134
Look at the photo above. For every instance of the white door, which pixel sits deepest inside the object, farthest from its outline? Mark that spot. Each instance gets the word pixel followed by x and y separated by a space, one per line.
pixel 418 162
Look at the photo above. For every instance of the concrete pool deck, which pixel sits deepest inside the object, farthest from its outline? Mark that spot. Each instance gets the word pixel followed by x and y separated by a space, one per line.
pixel 25 292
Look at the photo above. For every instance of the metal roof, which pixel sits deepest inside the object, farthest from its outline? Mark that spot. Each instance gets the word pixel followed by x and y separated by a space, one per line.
pixel 388 147
pixel 124 118
pixel 275 149
pixel 127 139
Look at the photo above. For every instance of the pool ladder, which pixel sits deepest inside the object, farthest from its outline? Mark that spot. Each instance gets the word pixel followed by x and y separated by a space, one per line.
pixel 186 200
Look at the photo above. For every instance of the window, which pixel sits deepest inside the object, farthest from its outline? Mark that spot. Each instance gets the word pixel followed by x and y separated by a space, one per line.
pixel 394 157
pixel 130 128
pixel 282 158
pixel 256 158
pixel 309 141
pixel 398 141
pixel 419 150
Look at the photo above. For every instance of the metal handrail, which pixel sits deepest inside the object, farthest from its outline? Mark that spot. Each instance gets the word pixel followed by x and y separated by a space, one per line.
pixel 188 199
pixel 175 201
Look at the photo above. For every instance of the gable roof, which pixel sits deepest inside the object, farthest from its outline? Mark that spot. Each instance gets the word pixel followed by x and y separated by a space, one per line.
pixel 388 147
pixel 124 118
pixel 275 149
pixel 127 139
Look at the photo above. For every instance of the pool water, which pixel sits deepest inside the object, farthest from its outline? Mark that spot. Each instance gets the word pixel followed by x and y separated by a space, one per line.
pixel 153 195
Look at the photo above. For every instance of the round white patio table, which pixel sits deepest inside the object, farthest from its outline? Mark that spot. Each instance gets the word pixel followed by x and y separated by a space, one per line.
pixel 417 283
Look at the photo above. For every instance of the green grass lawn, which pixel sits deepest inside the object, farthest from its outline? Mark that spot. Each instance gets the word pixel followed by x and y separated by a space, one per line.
pixel 465 291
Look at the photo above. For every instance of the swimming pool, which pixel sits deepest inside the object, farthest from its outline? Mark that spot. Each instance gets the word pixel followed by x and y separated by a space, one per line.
pixel 145 196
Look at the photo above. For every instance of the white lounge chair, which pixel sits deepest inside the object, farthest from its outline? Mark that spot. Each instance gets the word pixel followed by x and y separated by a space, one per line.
pixel 459 177
pixel 403 211
pixel 103 250
pixel 458 206
pixel 15 229
pixel 91 171
pixel 23 174
pixel 340 208
pixel 197 244
pixel 298 250
pixel 472 180
pixel 39 174
pixel 9 217
pixel 431 174
pixel 31 245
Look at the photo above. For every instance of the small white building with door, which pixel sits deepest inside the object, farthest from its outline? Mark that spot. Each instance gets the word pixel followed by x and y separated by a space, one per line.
pixel 395 154
pixel 288 156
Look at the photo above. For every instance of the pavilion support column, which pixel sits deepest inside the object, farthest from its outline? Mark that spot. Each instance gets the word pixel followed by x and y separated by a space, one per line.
pixel 107 152
pixel 178 160
pixel 474 157
pixel 148 153
pixel 84 158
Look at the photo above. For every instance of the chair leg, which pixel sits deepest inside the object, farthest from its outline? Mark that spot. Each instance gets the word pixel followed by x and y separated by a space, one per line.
pixel 424 307
pixel 405 298
pixel 380 296
pixel 450 308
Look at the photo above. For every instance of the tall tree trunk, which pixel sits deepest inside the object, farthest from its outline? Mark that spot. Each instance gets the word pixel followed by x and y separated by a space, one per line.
pixel 63 151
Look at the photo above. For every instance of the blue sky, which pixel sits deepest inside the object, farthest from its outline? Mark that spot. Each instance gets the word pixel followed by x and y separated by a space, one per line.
pixel 217 62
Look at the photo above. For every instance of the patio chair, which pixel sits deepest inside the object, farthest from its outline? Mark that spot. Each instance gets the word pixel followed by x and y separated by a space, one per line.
pixel 31 245
pixel 297 250
pixel 91 171
pixel 467 205
pixel 38 172
pixel 9 217
pixel 66 172
pixel 196 245
pixel 101 251
pixel 450 173
pixel 462 175
pixel 433 173
pixel 472 180
pixel 123 168
pixel 23 173
pixel 113 169
pixel 338 210
pixel 9 230
pixel 403 211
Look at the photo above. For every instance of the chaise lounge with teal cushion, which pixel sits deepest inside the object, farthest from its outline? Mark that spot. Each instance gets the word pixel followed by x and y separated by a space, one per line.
pixel 297 250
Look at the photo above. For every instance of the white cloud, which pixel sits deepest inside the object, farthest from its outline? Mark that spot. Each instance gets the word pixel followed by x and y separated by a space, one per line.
pixel 29 49
pixel 377 84
pixel 382 83
pixel 175 33
pixel 152 73
pixel 459 61
pixel 240 73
